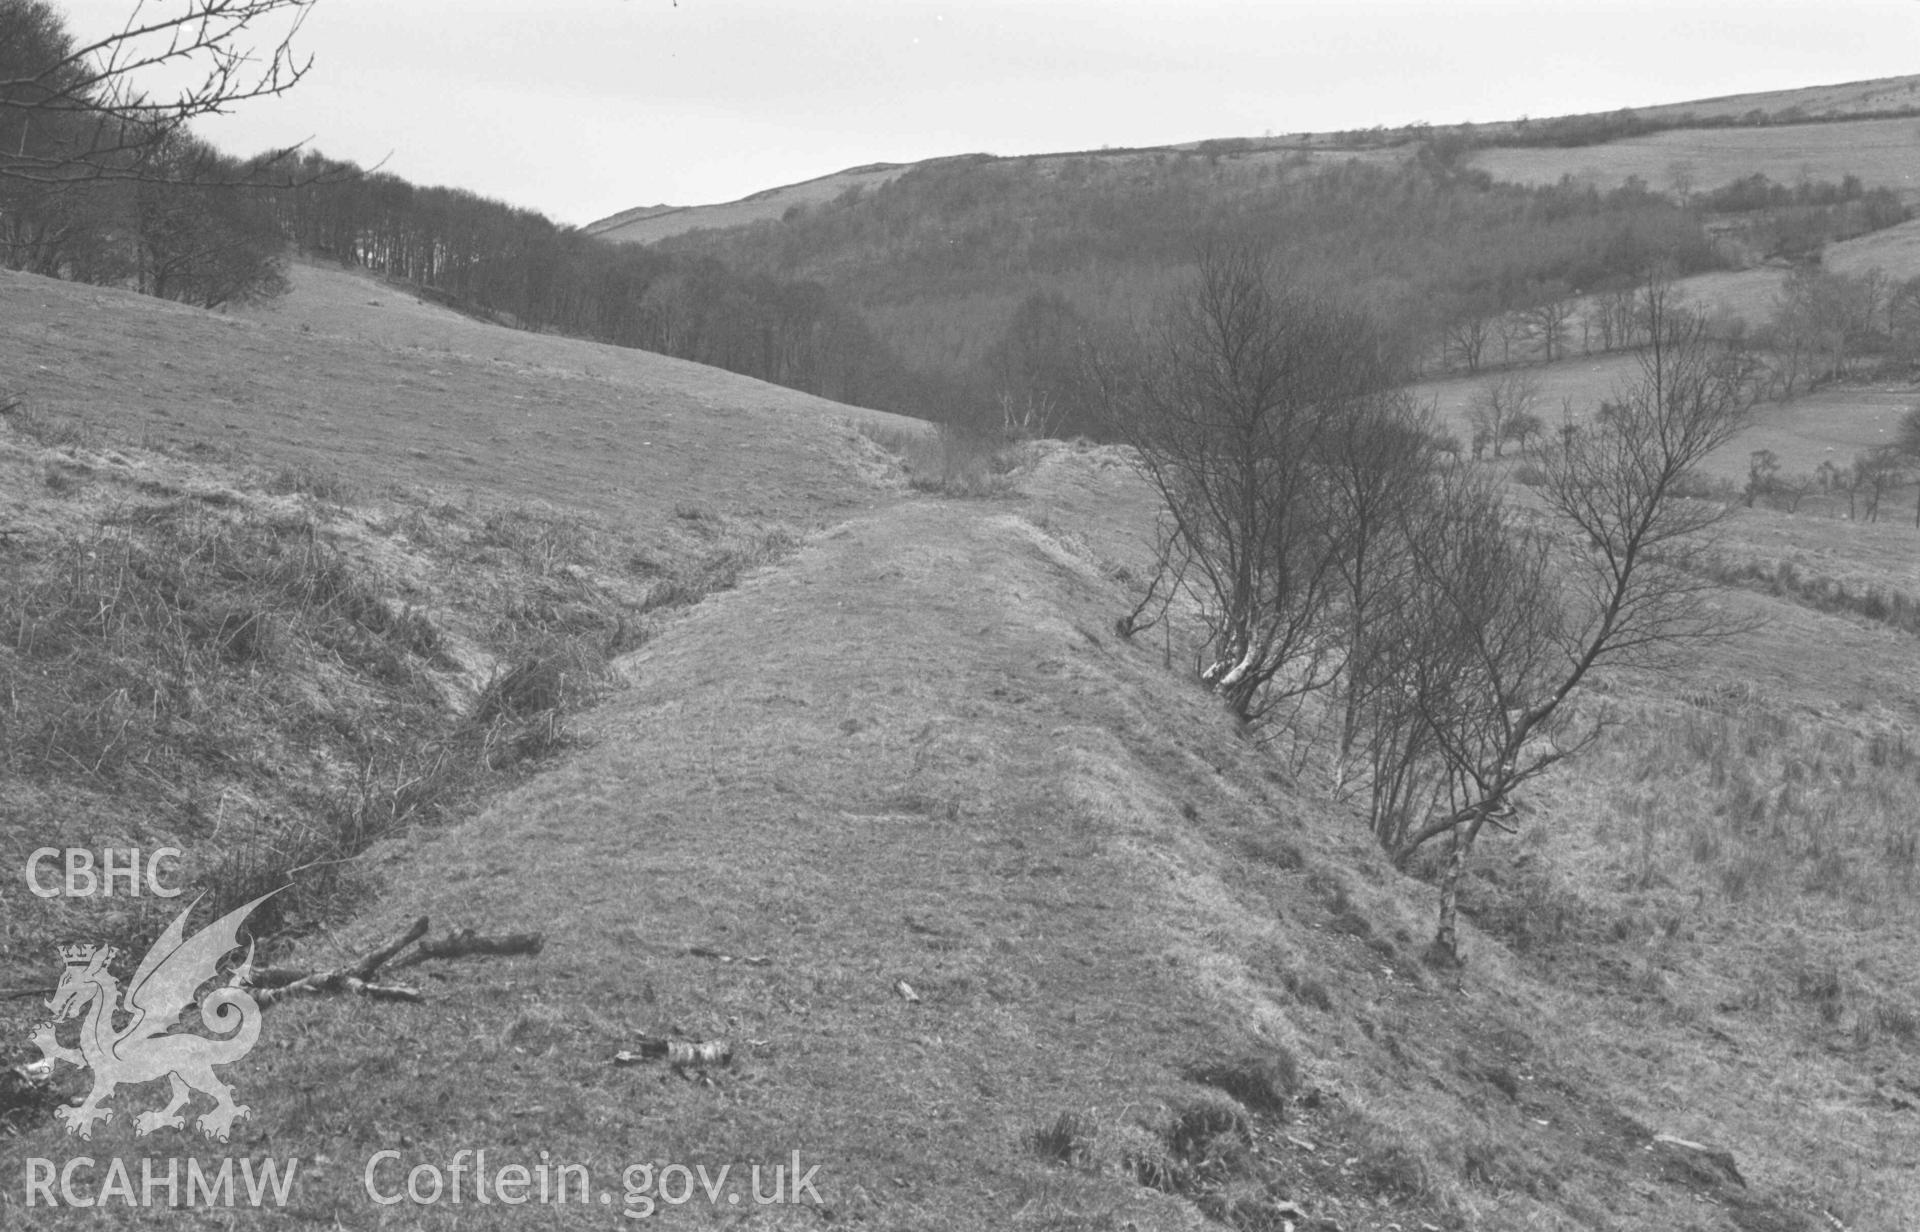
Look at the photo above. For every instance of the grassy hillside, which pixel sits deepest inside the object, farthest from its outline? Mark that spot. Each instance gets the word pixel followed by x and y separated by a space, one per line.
pixel 1008 925
pixel 1832 425
pixel 647 224
pixel 1887 152
pixel 1839 99
pixel 361 377
pixel 650 223
pixel 275 586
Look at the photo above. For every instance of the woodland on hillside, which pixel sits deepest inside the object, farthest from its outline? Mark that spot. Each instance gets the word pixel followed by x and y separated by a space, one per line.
pixel 99 185
pixel 104 183
pixel 966 290
pixel 986 270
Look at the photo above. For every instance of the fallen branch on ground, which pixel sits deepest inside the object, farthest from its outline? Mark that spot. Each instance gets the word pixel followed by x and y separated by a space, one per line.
pixel 355 977
pixel 274 984
pixel 701 951
pixel 462 942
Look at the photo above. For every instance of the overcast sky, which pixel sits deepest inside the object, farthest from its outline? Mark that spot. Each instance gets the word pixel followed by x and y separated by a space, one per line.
pixel 581 108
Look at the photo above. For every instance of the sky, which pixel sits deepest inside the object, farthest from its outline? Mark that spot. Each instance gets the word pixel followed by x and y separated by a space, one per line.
pixel 582 108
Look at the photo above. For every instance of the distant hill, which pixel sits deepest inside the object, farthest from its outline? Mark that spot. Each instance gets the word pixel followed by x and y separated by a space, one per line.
pixel 648 223
pixel 979 271
pixel 1650 159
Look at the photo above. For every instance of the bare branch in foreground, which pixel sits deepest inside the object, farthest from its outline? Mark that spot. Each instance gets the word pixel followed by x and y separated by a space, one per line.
pixel 275 984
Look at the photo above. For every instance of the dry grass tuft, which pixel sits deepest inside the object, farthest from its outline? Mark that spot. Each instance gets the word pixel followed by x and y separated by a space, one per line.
pixel 314 481
pixel 1072 1139
pixel 52 431
pixel 1262 1082
pixel 944 460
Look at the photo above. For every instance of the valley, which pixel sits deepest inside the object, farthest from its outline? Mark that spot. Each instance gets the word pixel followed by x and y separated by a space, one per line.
pixel 1007 922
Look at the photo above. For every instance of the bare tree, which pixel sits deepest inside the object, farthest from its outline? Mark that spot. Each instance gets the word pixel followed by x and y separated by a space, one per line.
pixel 1521 618
pixel 1548 319
pixel 1511 329
pixel 1906 444
pixel 1680 178
pixel 1499 403
pixel 1169 573
pixel 1875 473
pixel 1824 315
pixel 1233 404
pixel 1613 314
pixel 1466 334
pixel 1377 473
pixel 199 240
pixel 1763 475
pixel 1903 317
pixel 1526 430
pixel 72 111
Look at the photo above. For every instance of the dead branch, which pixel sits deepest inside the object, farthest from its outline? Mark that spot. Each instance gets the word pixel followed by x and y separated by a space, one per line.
pixel 701 951
pixel 274 984
pixel 338 981
pixel 355 977
pixel 378 958
pixel 93 94
pixel 462 942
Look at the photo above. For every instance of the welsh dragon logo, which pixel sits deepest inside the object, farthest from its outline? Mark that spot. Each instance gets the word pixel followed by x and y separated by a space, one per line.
pixel 142 1050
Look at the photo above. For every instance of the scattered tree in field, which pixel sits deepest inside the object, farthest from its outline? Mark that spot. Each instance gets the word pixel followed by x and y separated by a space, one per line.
pixel 1614 317
pixel 1821 319
pixel 1903 318
pixel 1549 318
pixel 1525 430
pixel 1763 474
pixel 1466 333
pixel 1512 330
pixel 1499 403
pixel 1906 446
pixel 1681 179
pixel 1875 473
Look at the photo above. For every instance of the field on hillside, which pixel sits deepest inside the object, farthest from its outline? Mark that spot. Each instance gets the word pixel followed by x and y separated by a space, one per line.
pixel 1713 157
pixel 1883 153
pixel 1832 424
pixel 1841 98
pixel 1750 294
